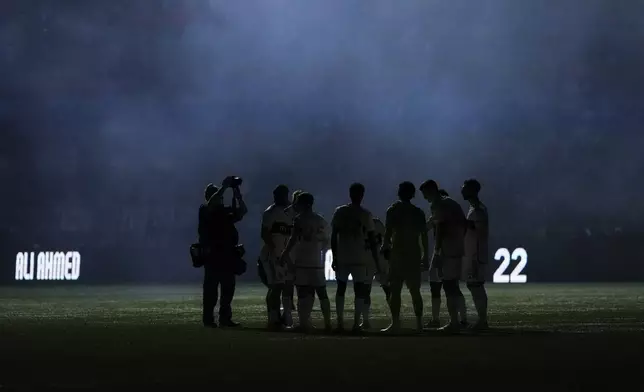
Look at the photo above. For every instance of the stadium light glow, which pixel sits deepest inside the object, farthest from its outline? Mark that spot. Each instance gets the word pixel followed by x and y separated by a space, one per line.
pixel 50 265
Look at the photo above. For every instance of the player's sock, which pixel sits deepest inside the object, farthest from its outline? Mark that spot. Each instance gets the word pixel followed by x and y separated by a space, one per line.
pixel 462 309
pixel 479 296
pixel 339 310
pixel 436 308
pixel 357 313
pixel 288 314
pixel 325 305
pixel 452 309
pixel 366 314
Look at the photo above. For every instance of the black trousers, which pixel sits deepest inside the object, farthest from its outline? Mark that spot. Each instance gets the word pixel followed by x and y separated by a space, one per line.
pixel 216 277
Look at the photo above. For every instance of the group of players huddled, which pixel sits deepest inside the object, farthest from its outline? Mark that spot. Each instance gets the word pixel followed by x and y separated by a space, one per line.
pixel 394 253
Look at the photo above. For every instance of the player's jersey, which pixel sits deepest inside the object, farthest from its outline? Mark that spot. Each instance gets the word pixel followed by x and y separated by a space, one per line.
pixel 448 212
pixel 279 222
pixel 312 233
pixel 407 223
pixel 353 224
pixel 476 236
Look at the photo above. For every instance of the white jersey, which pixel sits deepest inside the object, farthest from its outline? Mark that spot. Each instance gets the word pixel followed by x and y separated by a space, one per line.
pixel 279 222
pixel 352 224
pixel 476 236
pixel 312 234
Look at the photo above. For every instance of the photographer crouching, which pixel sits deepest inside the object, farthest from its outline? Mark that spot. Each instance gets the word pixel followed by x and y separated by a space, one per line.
pixel 218 250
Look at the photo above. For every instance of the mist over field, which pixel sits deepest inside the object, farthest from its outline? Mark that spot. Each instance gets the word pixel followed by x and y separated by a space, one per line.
pixel 116 114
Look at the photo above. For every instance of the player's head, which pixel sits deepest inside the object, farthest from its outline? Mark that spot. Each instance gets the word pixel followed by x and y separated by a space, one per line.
pixel 470 189
pixel 430 191
pixel 210 191
pixel 280 195
pixel 443 193
pixel 304 202
pixel 406 191
pixel 296 194
pixel 356 193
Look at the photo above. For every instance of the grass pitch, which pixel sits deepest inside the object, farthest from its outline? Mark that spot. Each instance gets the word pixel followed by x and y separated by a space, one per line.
pixel 564 337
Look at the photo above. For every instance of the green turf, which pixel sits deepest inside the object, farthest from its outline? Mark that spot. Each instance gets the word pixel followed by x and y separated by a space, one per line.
pixel 118 336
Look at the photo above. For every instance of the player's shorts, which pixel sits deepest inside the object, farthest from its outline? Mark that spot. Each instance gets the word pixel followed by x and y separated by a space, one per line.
pixel 359 273
pixel 310 277
pixel 475 276
pixel 410 277
pixel 452 268
pixel 434 276
pixel 276 273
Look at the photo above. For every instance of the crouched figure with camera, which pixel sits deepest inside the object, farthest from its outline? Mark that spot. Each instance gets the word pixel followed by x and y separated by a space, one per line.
pixel 219 251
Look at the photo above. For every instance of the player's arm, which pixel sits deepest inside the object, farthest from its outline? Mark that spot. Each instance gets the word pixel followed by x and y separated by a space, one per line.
pixel 334 237
pixel 292 241
pixel 239 206
pixel 389 224
pixel 440 225
pixel 266 235
pixel 373 241
pixel 324 235
pixel 481 225
pixel 424 240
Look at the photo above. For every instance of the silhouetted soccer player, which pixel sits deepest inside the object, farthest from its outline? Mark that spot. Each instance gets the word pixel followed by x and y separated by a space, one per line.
pixel 217 233
pixel 277 224
pixel 289 287
pixel 383 276
pixel 449 225
pixel 404 225
pixel 303 253
pixel 435 281
pixel 476 249
pixel 355 253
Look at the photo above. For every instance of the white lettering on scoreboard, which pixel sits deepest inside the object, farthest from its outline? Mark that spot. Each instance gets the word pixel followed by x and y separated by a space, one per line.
pixel 48 265
pixel 504 256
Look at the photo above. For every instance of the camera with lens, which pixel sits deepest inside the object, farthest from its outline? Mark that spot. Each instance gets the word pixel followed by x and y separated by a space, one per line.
pixel 235 182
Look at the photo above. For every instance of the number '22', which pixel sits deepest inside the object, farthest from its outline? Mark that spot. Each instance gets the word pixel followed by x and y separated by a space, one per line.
pixel 515 276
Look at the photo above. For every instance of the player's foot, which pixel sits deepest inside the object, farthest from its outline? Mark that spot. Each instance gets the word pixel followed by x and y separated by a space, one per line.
pixel 229 324
pixel 210 325
pixel 479 326
pixel 450 328
pixel 365 326
pixel 393 328
pixel 433 324
pixel 356 329
pixel 465 325
pixel 328 328
pixel 275 327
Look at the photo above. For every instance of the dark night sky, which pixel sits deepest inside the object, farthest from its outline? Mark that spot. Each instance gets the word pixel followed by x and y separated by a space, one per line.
pixel 114 115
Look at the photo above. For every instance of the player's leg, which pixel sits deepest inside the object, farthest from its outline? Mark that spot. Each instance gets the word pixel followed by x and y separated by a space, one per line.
pixel 341 277
pixel 275 298
pixel 325 305
pixel 227 282
pixel 209 296
pixel 287 301
pixel 413 281
pixel 366 313
pixel 435 289
pixel 479 297
pixel 462 307
pixel 396 284
pixel 306 297
pixel 452 298
pixel 359 303
pixel 263 266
